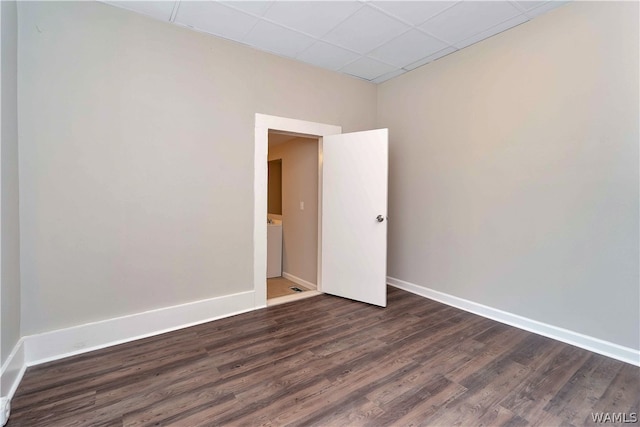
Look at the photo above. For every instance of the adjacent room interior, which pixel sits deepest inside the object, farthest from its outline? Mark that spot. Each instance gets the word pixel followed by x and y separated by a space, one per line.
pixel 132 259
pixel 292 217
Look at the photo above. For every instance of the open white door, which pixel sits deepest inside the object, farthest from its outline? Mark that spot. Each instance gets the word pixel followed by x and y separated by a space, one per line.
pixel 354 216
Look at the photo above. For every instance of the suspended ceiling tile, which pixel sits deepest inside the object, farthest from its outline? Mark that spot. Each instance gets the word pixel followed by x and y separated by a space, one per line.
pixel 388 76
pixel 257 8
pixel 517 20
pixel 156 9
pixel 365 30
pixel 413 12
pixel 407 48
pixel 547 6
pixel 526 5
pixel 274 38
pixel 430 58
pixel 469 18
pixel 315 18
pixel 367 68
pixel 371 40
pixel 327 56
pixel 215 18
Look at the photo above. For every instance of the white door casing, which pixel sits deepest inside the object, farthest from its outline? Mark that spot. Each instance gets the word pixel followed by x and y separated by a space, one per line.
pixel 361 274
pixel 264 123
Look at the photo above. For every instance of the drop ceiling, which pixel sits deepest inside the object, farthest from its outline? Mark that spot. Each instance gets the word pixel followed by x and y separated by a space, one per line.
pixel 371 40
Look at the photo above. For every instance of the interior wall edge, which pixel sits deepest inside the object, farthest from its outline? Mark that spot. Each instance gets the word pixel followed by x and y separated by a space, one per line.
pixel 11 374
pixel 61 343
pixel 596 345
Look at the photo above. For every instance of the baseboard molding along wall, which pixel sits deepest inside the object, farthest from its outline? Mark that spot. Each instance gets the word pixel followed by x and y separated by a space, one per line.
pixel 67 342
pixel 596 345
pixel 299 281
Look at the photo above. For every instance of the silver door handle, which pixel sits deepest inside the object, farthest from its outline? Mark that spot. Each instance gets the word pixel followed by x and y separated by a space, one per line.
pixel 380 218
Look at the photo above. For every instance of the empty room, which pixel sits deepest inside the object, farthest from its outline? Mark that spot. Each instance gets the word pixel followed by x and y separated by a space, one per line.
pixel 446 192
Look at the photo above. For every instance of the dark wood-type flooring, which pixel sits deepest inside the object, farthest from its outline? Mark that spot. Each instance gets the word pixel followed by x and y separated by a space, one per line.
pixel 327 361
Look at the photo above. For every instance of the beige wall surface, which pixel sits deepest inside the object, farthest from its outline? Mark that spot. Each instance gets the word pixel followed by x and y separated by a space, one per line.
pixel 9 227
pixel 136 158
pixel 299 227
pixel 514 171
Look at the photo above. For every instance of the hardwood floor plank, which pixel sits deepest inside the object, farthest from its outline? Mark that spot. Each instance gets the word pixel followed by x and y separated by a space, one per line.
pixel 328 361
pixel 622 395
pixel 484 391
pixel 406 402
pixel 436 368
pixel 579 395
pixel 494 348
pixel 552 373
pixel 75 385
pixel 430 408
pixel 499 416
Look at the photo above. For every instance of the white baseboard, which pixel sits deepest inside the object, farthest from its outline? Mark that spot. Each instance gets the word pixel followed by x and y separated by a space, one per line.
pixel 62 343
pixel 596 345
pixel 12 371
pixel 299 281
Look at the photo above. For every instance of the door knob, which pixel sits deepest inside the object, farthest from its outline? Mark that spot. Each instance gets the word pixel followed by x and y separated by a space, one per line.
pixel 380 218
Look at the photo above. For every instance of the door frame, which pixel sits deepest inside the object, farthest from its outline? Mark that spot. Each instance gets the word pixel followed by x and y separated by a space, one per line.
pixel 264 123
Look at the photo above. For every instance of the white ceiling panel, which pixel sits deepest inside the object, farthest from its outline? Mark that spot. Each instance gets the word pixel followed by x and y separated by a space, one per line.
pixel 546 7
pixel 430 58
pixel 315 18
pixel 413 12
pixel 468 18
pixel 509 23
pixel 326 55
pixel 372 40
pixel 407 48
pixel 388 76
pixel 365 30
pixel 526 5
pixel 257 8
pixel 155 9
pixel 367 68
pixel 274 38
pixel 215 18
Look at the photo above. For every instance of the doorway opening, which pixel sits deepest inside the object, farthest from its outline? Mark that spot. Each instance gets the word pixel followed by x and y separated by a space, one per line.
pixel 292 129
pixel 352 243
pixel 292 216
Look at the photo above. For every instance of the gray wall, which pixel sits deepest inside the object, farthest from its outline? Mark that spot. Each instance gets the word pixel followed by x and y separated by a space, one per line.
pixel 514 171
pixel 299 227
pixel 9 221
pixel 136 161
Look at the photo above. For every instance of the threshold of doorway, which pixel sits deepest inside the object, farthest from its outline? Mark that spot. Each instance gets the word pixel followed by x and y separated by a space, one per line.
pixel 293 297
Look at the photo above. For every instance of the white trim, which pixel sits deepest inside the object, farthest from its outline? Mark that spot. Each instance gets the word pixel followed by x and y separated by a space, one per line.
pixel 596 345
pixel 263 123
pixel 319 217
pixel 79 339
pixel 299 281
pixel 302 127
pixel 12 370
pixel 292 297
